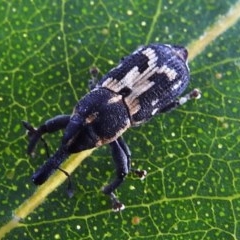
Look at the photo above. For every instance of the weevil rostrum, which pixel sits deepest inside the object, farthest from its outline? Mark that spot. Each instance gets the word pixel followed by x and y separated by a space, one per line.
pixel 146 83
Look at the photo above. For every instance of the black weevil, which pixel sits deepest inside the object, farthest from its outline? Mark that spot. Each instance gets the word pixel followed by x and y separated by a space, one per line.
pixel 145 83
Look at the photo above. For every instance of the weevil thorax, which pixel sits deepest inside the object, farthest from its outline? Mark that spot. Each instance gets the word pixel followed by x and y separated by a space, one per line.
pixel 104 116
pixel 149 79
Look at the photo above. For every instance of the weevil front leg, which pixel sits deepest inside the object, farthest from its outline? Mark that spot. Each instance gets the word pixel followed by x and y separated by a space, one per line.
pixel 51 125
pixel 194 94
pixel 121 161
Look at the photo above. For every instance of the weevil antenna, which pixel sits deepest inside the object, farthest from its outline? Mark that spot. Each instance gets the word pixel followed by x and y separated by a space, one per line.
pixel 45 146
pixel 69 188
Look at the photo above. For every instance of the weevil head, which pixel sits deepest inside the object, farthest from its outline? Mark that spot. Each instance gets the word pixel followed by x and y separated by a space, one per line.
pixel 44 172
pixel 41 175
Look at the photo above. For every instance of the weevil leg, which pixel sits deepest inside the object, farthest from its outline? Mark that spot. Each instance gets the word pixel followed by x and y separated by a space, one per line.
pixel 122 169
pixel 140 173
pixel 94 74
pixel 51 125
pixel 194 94
pixel 126 150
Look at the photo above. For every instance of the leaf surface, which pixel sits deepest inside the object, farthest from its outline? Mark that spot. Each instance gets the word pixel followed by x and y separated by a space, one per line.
pixel 192 190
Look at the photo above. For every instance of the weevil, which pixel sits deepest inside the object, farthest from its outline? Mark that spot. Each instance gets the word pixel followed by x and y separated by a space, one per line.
pixel 146 83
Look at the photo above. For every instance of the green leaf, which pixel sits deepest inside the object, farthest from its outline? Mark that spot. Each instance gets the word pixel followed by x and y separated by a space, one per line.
pixel 192 190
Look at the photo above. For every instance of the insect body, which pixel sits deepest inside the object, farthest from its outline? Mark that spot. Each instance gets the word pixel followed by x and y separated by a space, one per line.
pixel 144 84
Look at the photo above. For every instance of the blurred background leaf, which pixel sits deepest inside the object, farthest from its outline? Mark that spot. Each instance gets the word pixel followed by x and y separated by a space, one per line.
pixel 192 190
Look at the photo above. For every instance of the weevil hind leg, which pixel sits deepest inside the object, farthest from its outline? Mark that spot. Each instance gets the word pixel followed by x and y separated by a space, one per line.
pixel 126 150
pixel 194 94
pixel 121 161
pixel 51 125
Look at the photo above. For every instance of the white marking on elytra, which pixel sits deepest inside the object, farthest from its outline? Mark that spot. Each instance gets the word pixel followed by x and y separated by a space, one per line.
pixel 154 102
pixel 136 81
pixel 139 82
pixel 109 83
pixel 150 53
pixel 133 106
pixel 168 45
pixel 133 77
pixel 170 72
pixel 127 81
pixel 154 111
pixel 176 85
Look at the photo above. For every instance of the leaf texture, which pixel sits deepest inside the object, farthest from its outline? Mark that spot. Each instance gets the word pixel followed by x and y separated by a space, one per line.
pixel 192 190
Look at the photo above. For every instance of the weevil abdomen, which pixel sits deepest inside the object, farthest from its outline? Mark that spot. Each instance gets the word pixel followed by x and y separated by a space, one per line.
pixel 149 79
